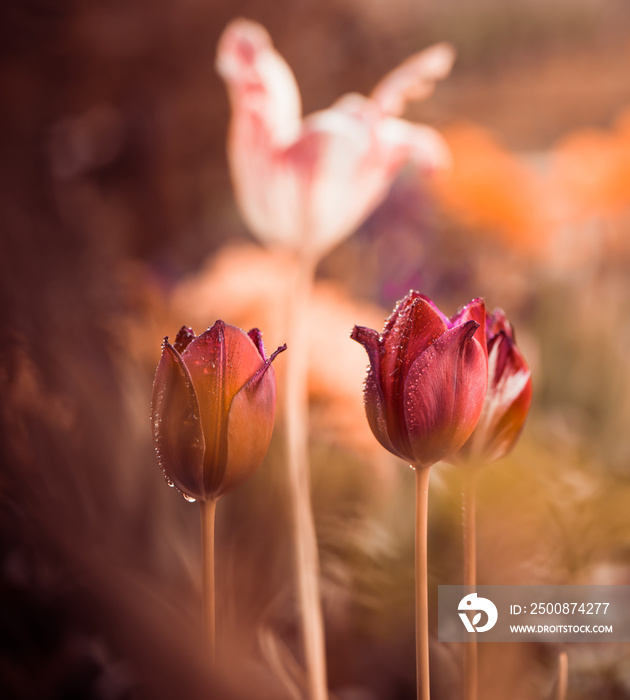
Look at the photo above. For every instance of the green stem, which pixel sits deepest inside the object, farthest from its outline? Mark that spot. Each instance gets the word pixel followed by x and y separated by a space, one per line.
pixel 304 535
pixel 208 512
pixel 422 584
pixel 471 680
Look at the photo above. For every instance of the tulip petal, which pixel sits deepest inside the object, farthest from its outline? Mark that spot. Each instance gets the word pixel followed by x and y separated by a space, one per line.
pixel 509 426
pixel 443 316
pixel 343 165
pixel 504 360
pixel 445 390
pixel 220 362
pixel 267 187
pixel 416 326
pixel 375 407
pixel 414 78
pixel 341 171
pixel 404 141
pixel 177 431
pixel 402 308
pixel 507 402
pixel 266 114
pixel 249 428
pixel 475 310
pixel 184 336
pixel 496 322
pixel 256 337
pixel 261 84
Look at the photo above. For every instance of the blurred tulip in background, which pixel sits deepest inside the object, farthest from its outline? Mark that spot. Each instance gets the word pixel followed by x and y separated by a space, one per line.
pixel 308 183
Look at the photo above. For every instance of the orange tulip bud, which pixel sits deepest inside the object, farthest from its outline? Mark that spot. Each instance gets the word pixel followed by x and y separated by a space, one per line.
pixel 214 400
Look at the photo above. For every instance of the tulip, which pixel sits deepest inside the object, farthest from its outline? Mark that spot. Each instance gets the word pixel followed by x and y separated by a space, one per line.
pixel 504 411
pixel 213 408
pixel 305 184
pixel 508 397
pixel 423 396
pixel 427 379
pixel 214 400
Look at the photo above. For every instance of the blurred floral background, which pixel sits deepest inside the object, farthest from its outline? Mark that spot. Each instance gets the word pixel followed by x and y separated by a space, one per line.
pixel 118 225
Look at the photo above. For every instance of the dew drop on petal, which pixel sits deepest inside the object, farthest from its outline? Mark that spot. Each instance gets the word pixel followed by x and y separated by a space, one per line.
pixel 190 499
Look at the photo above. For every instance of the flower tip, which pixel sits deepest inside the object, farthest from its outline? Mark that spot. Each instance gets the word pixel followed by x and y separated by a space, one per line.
pixel 184 337
pixel 277 351
pixel 241 41
pixel 248 30
pixel 358 333
pixel 414 79
pixel 471 328
pixel 442 57
pixel 256 337
pixel 498 321
pixel 368 338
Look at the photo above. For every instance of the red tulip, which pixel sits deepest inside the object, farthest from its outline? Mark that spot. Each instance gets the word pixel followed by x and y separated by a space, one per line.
pixel 214 399
pixel 307 183
pixel 427 379
pixel 508 397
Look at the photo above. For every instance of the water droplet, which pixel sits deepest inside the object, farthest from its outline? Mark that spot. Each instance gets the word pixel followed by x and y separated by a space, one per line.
pixel 190 499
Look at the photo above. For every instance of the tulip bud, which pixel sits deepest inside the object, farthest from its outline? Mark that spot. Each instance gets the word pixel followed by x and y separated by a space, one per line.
pixel 508 397
pixel 427 378
pixel 214 399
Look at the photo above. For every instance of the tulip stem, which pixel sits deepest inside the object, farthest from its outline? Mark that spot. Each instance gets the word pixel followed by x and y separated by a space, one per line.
pixel 422 583
pixel 563 676
pixel 208 511
pixel 471 682
pixel 296 431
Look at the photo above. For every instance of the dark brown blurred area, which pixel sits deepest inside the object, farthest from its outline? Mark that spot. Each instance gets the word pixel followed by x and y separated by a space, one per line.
pixel 114 189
